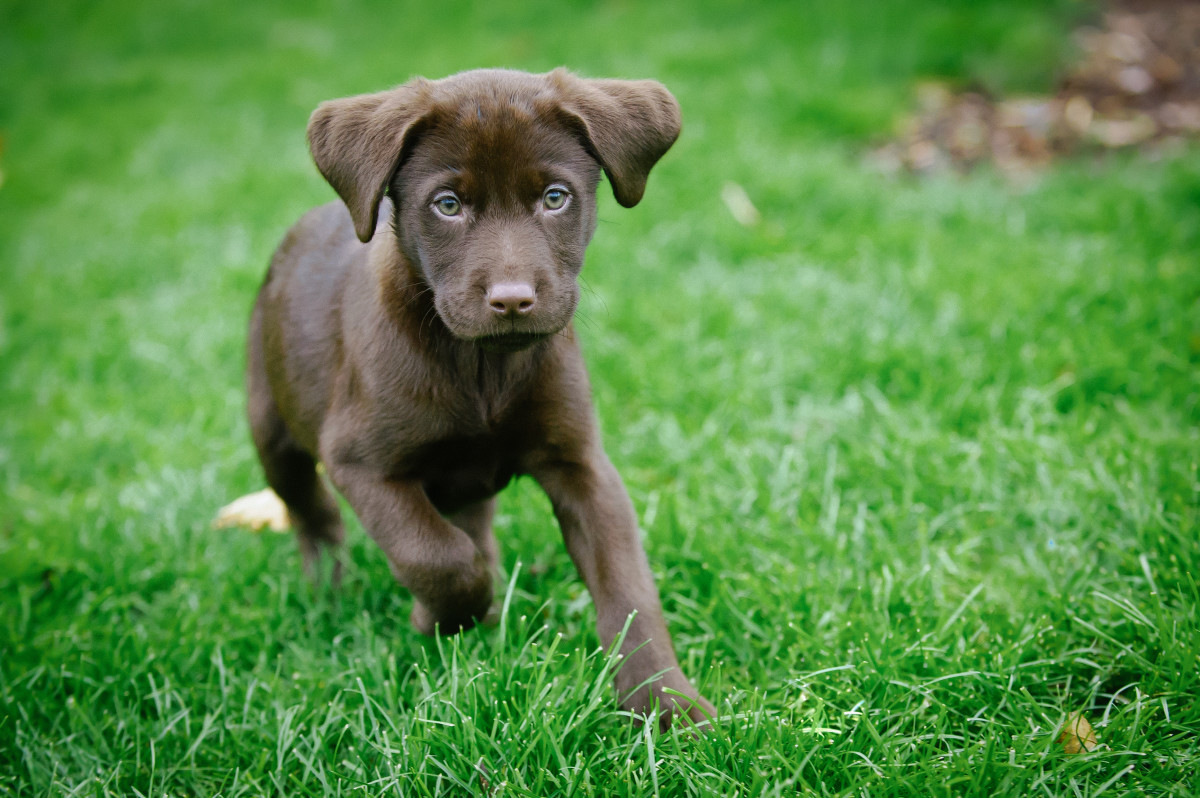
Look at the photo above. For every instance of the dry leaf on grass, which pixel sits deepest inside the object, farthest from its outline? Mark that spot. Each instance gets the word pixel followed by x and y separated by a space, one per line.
pixel 1136 83
pixel 1077 734
pixel 740 207
pixel 256 512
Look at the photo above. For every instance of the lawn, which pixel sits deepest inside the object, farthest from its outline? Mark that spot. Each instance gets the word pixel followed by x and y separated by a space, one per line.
pixel 917 459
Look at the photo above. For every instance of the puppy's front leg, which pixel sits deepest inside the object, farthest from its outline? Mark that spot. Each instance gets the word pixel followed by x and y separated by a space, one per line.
pixel 600 529
pixel 437 561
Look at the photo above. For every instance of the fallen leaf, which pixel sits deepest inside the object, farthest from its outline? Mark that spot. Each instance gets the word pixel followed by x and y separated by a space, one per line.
pixel 933 96
pixel 1133 85
pixel 1166 70
pixel 1115 133
pixel 484 783
pixel 1078 114
pixel 1077 735
pixel 1135 80
pixel 1182 117
pixel 1124 45
pixel 256 512
pixel 738 202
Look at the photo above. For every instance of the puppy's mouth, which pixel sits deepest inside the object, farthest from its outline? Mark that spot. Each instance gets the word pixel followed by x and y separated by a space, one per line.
pixel 510 342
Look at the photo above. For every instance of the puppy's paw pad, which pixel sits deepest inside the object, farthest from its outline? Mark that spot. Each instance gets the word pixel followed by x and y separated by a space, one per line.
pixel 256 512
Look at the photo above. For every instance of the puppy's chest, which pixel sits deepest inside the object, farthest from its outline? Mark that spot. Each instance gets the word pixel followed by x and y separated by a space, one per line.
pixel 460 471
pixel 476 450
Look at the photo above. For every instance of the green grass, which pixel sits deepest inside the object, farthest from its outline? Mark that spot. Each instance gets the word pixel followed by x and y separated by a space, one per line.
pixel 918 461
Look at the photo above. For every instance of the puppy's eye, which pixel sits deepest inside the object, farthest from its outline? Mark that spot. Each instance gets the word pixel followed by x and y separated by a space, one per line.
pixel 555 198
pixel 447 204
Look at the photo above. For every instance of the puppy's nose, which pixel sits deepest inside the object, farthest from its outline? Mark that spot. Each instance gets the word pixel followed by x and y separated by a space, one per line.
pixel 511 299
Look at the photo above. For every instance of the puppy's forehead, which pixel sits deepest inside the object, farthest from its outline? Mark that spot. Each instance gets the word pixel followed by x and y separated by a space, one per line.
pixel 494 130
pixel 502 131
pixel 482 123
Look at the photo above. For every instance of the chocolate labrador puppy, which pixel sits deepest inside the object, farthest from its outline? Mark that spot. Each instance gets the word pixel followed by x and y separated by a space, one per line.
pixel 416 339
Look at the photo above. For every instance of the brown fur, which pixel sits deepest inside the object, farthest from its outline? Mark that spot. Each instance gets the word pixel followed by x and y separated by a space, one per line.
pixel 420 345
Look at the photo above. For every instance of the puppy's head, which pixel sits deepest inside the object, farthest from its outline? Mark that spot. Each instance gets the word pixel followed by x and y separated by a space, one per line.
pixel 493 179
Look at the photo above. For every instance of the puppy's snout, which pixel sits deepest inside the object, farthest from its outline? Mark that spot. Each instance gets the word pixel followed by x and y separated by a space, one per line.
pixel 511 299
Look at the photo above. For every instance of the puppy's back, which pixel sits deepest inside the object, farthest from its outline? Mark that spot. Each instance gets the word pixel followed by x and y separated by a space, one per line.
pixel 299 303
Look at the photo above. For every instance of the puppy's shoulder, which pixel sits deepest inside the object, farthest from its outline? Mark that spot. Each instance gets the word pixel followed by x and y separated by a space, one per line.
pixel 324 229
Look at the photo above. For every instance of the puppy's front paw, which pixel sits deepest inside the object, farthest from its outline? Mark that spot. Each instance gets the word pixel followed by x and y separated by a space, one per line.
pixel 422 619
pixel 428 623
pixel 676 703
pixel 693 712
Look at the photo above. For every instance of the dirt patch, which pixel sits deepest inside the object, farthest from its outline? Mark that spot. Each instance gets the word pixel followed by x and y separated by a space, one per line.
pixel 1136 83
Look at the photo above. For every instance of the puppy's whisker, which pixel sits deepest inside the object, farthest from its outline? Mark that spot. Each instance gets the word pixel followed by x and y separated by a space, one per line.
pixel 420 293
pixel 427 320
pixel 587 287
pixel 586 320
pixel 422 289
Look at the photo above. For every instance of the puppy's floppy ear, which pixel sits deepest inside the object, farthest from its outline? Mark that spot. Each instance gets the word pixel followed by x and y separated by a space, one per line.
pixel 357 143
pixel 629 123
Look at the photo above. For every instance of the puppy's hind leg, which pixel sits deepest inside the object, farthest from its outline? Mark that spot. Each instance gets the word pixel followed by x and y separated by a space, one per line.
pixel 292 474
pixel 291 471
